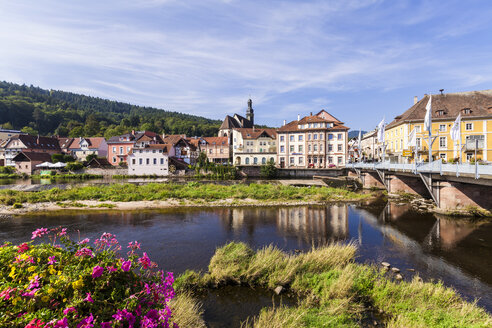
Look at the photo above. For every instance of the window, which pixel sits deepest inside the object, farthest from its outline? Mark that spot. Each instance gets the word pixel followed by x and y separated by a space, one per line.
pixel 281 138
pixel 469 126
pixel 442 155
pixel 282 149
pixel 340 160
pixel 127 149
pixel 300 137
pixel 292 138
pixel 301 160
pixel 330 136
pixel 291 149
pixel 121 150
pixel 442 127
pixel 309 136
pixel 467 111
pixel 442 142
pixel 321 147
pixel 221 150
pixel 263 160
pixel 292 160
pixel 315 147
pixel 210 151
pixel 155 161
pixel 114 149
pixel 140 161
pixel 418 142
pixel 114 159
pixel 300 148
pixel 440 112
pixel 147 161
pixel 315 136
pixel 247 160
pixel 309 148
pixel 321 136
pixel 162 161
pixel 469 157
pixel 340 136
pixel 255 160
pixel 339 148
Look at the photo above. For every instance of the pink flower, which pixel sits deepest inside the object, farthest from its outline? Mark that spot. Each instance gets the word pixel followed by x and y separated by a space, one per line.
pixel 97 271
pixel 108 324
pixel 87 322
pixel 34 282
pixel 84 241
pixel 145 261
pixel 68 310
pixel 22 248
pixel 39 233
pixel 52 260
pixel 63 232
pixel 134 245
pixel 89 298
pixel 126 265
pixel 111 268
pixel 6 293
pixel 84 252
pixel 35 323
pixel 63 323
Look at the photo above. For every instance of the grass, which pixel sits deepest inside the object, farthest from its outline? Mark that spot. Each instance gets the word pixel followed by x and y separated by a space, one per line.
pixel 190 191
pixel 68 176
pixel 333 290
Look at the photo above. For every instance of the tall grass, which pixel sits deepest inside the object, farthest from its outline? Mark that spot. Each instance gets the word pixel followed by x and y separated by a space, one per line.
pixel 190 191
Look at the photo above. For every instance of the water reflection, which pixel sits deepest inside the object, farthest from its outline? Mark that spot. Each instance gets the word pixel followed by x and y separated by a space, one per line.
pixel 459 252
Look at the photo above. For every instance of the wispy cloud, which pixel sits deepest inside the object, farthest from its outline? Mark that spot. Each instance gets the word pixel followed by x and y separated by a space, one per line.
pixel 208 57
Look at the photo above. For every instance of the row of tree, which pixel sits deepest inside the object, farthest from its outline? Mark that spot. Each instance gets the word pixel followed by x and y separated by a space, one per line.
pixel 48 112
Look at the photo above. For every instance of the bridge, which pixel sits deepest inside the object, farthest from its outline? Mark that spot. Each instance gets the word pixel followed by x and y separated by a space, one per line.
pixel 451 186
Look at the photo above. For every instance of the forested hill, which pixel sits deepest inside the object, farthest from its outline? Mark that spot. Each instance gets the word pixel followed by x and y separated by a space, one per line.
pixel 48 112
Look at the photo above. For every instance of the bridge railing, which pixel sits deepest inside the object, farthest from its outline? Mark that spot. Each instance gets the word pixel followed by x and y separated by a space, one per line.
pixel 432 167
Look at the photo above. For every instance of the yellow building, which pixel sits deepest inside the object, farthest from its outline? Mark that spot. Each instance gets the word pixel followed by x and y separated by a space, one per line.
pixel 475 108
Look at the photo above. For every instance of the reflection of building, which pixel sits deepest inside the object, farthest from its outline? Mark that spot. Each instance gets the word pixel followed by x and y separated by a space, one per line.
pixel 315 224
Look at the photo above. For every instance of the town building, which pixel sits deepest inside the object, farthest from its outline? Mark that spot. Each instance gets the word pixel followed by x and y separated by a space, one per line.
pixel 253 146
pixel 80 148
pixel 216 149
pixel 315 141
pixel 237 122
pixel 475 108
pixel 7 133
pixel 370 148
pixel 26 161
pixel 120 146
pixel 65 144
pixel 151 159
pixel 27 143
pixel 181 148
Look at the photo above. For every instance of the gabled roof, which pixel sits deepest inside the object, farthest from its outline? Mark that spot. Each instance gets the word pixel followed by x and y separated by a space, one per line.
pixel 65 142
pixel 229 123
pixel 94 142
pixel 117 139
pixel 33 142
pixel 99 162
pixel 257 133
pixel 451 104
pixel 322 117
pixel 32 156
pixel 217 140
pixel 245 123
pixel 173 139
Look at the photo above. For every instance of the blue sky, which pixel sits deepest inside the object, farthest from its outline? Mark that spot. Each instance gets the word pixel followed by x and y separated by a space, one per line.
pixel 357 59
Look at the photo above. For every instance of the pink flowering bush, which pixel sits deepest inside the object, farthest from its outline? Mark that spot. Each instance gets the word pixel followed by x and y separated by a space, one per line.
pixel 81 284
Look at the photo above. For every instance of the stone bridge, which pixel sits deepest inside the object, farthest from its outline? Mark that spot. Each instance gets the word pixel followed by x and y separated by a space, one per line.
pixel 451 186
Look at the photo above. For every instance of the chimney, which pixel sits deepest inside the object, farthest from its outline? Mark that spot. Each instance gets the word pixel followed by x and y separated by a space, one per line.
pixel 285 122
pixel 298 117
pixel 415 100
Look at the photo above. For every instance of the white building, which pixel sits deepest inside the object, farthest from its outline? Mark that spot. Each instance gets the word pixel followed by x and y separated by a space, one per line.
pixel 253 146
pixel 149 160
pixel 315 141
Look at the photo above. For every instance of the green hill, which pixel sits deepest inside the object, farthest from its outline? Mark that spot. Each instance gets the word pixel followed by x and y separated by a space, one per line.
pixel 49 112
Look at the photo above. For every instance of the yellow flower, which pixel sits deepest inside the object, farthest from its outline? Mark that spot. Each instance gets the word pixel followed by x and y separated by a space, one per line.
pixel 78 284
pixel 15 300
pixel 45 298
pixel 51 290
pixel 51 270
pixel 43 275
pixel 59 273
pixel 31 268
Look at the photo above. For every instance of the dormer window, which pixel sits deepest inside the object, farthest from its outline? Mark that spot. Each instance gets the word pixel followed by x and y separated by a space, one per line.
pixel 440 112
pixel 467 111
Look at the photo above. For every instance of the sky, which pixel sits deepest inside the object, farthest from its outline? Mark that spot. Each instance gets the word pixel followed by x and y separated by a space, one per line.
pixel 361 60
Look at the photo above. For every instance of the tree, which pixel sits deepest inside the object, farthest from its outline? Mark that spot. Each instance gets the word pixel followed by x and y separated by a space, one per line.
pixel 90 157
pixel 7 126
pixel 29 130
pixel 269 171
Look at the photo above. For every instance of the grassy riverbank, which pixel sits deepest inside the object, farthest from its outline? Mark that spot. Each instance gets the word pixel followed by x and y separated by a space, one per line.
pixel 333 291
pixel 192 191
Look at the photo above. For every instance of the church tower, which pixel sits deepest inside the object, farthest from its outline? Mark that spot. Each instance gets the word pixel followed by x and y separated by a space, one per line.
pixel 250 115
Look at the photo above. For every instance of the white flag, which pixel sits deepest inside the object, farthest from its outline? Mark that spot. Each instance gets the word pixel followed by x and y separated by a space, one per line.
pixel 428 115
pixel 381 131
pixel 412 138
pixel 456 129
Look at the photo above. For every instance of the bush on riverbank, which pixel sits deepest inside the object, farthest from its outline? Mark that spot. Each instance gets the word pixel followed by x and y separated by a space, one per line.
pixel 68 176
pixel 333 290
pixel 82 284
pixel 190 191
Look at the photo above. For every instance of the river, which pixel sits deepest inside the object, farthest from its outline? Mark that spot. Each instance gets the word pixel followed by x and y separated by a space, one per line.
pixel 456 251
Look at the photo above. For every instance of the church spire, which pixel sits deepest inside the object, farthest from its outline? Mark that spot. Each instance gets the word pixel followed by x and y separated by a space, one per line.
pixel 250 115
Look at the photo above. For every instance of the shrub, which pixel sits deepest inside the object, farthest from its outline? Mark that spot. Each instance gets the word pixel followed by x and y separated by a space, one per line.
pixel 269 170
pixel 74 166
pixel 82 284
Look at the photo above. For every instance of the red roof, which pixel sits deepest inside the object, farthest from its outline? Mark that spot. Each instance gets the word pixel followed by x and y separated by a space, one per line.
pixel 94 143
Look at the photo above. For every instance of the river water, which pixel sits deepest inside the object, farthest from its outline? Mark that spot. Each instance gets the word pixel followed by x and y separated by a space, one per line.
pixel 456 251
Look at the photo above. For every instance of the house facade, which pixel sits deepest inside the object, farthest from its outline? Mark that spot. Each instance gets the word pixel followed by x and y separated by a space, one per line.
pixel 120 146
pixel 475 108
pixel 28 143
pixel 151 159
pixel 80 148
pixel 237 122
pixel 216 149
pixel 25 162
pixel 181 148
pixel 253 147
pixel 315 141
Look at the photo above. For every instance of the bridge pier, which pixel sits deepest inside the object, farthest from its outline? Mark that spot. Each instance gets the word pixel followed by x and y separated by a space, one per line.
pixel 411 185
pixel 457 195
